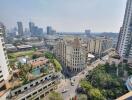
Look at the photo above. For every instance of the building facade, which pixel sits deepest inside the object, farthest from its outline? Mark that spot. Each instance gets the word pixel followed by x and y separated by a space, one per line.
pixel 74 53
pixel 70 54
pixel 20 28
pixel 31 26
pixel 35 90
pixel 4 72
pixel 98 45
pixel 124 45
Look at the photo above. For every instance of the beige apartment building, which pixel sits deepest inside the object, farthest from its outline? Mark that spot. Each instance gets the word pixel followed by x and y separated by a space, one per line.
pixel 98 45
pixel 70 54
pixel 73 52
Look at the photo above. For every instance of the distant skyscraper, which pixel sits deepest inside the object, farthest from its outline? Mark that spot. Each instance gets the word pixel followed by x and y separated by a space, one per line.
pixel 124 45
pixel 35 30
pixel 87 32
pixel 31 26
pixel 49 30
pixel 20 28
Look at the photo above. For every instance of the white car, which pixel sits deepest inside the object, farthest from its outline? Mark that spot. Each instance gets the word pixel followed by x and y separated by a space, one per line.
pixel 65 90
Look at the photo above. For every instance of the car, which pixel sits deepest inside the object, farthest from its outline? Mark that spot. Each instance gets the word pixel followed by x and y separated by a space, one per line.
pixel 65 90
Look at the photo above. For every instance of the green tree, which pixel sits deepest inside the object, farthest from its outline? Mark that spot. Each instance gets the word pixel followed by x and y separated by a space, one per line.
pixel 57 65
pixel 95 94
pixel 86 85
pixel 55 96
pixel 48 55
pixel 34 48
pixel 24 70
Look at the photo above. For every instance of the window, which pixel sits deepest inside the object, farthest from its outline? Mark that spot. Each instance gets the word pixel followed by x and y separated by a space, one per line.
pixel 45 87
pixel 25 88
pixel 51 89
pixel 46 78
pixel 34 93
pixel 15 92
pixel 42 96
pixel 19 91
pixel 39 90
pixel 1 76
pixel 28 96
pixel 31 85
pixel 46 92
pixel 49 84
pixel 53 82
pixel 36 83
pixel 37 99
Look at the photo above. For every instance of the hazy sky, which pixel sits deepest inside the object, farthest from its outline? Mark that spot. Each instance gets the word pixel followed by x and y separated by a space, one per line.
pixel 65 15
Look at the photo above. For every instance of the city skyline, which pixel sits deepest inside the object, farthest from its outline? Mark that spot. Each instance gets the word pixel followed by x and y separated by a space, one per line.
pixel 67 16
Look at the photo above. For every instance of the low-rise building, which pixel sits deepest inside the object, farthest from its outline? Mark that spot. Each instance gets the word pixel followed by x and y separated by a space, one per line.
pixel 98 45
pixel 38 62
pixel 37 44
pixel 10 48
pixel 36 89
pixel 24 47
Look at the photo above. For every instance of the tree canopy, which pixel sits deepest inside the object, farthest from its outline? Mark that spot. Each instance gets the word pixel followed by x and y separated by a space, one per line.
pixel 103 83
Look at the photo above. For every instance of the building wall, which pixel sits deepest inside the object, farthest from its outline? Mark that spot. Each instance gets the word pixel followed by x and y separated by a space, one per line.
pixel 75 56
pixel 124 45
pixel 69 55
pixel 4 74
pixel 98 45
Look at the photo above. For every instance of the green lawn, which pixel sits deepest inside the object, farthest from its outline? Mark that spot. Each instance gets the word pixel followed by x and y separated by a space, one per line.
pixel 13 56
pixel 19 54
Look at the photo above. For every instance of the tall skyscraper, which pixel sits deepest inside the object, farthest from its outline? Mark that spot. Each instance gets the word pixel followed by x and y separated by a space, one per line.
pixel 4 74
pixel 20 28
pixel 49 30
pixel 124 45
pixel 31 26
pixel 87 32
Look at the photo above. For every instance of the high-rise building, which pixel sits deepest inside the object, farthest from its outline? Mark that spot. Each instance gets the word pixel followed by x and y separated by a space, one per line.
pixel 31 26
pixel 87 32
pixel 50 30
pixel 20 28
pixel 4 73
pixel 35 30
pixel 124 45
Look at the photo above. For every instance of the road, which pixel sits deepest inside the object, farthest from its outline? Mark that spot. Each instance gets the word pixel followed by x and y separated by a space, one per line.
pixel 66 83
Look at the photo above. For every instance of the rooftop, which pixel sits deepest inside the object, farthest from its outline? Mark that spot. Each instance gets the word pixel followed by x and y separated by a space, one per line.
pixel 38 61
pixel 24 46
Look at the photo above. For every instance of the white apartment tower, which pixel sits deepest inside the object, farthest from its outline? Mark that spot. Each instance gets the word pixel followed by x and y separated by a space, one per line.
pixel 4 74
pixel 124 45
